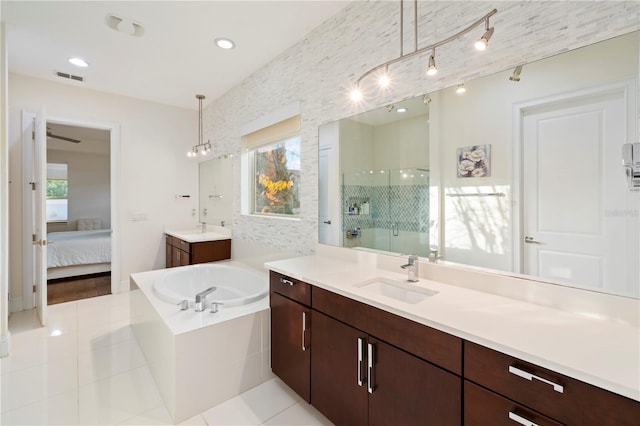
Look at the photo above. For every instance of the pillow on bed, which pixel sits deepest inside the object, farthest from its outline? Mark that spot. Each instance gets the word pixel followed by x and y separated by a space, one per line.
pixel 89 224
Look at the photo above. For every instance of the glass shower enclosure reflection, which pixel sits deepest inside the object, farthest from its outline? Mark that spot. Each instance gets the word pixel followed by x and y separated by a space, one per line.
pixel 386 210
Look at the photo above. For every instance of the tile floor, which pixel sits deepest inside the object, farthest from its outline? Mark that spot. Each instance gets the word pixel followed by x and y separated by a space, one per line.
pixel 85 367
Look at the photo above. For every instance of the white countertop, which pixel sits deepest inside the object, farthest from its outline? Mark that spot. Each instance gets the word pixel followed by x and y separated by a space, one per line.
pixel 590 348
pixel 197 236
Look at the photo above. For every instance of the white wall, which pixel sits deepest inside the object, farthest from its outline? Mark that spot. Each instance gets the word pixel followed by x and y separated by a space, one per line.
pixel 402 144
pixel 89 187
pixel 318 71
pixel 154 139
pixel 4 198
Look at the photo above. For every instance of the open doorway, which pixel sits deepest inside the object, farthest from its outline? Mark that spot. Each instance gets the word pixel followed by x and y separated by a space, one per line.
pixel 78 210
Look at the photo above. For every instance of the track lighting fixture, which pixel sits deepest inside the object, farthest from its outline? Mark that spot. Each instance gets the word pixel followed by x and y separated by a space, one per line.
pixel 390 108
pixel 484 40
pixel 384 79
pixel 432 70
pixel 202 147
pixel 516 74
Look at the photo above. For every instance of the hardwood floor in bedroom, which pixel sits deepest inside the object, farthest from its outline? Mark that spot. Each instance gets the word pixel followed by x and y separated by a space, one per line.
pixel 76 288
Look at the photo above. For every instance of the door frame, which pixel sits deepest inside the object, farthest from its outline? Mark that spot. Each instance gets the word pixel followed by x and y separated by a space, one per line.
pixel 114 177
pixel 628 88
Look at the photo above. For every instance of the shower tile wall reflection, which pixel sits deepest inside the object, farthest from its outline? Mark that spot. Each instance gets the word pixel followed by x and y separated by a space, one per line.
pixel 386 210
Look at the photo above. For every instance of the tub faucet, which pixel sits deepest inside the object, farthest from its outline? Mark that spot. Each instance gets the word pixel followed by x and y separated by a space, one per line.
pixel 202 297
pixel 412 268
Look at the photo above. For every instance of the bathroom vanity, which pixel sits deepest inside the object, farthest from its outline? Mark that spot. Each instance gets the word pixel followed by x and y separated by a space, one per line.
pixel 190 248
pixel 356 342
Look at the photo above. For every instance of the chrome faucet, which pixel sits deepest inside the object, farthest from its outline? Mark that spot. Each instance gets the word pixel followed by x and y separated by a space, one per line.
pixel 412 268
pixel 204 227
pixel 433 255
pixel 202 297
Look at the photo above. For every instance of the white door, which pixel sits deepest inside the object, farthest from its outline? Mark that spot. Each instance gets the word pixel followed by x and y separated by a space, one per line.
pixel 573 188
pixel 326 223
pixel 40 215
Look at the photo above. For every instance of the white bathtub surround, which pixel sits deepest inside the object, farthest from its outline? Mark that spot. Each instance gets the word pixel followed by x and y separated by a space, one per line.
pixel 590 336
pixel 199 359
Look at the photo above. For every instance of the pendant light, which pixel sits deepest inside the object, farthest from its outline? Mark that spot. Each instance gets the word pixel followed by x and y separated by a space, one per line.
pixel 202 147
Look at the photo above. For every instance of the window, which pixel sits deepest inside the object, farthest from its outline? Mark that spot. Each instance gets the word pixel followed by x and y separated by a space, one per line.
pixel 271 170
pixel 57 192
pixel 277 175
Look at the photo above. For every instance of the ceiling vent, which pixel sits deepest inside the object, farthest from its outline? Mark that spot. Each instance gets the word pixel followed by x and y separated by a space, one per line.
pixel 69 76
pixel 124 25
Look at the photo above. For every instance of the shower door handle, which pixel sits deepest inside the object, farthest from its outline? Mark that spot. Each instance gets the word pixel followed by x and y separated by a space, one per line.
pixel 328 222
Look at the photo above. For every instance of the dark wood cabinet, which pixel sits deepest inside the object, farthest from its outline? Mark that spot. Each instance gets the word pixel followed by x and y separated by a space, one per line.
pixel 290 333
pixel 357 379
pixel 561 398
pixel 360 365
pixel 181 253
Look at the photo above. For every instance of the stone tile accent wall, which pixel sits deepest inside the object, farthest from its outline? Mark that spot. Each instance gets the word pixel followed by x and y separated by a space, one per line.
pixel 319 70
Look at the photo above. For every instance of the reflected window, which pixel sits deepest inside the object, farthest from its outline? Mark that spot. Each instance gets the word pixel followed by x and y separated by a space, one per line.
pixel 57 202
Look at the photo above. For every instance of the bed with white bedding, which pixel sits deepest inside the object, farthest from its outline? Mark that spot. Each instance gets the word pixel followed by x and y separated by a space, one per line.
pixel 72 253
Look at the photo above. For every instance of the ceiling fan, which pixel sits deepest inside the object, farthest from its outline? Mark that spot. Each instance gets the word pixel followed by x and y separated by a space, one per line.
pixel 62 138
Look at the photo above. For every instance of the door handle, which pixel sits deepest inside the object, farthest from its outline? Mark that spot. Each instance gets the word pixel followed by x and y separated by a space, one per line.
pixel 328 222
pixel 530 240
pixel 370 380
pixel 42 243
pixel 360 359
pixel 304 330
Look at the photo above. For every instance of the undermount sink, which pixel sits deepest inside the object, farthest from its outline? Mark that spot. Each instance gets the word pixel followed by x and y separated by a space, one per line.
pixel 398 290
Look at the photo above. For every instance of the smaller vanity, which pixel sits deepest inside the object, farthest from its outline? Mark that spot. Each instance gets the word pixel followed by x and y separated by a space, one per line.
pixel 190 247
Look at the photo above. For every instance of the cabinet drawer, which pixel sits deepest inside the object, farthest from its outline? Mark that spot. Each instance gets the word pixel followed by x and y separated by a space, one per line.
pixel 182 245
pixel 420 340
pixel 568 400
pixel 483 407
pixel 290 287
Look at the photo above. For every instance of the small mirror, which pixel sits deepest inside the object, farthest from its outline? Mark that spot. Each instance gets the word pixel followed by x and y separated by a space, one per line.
pixel 216 191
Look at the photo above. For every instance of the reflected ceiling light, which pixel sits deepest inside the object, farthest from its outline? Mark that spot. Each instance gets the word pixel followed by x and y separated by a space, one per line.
pixel 460 89
pixel 202 147
pixel 516 74
pixel 432 70
pixel 225 43
pixel 356 93
pixel 426 99
pixel 401 110
pixel 79 62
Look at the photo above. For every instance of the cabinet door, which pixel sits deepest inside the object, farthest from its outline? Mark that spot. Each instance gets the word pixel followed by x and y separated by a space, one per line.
pixel 169 254
pixel 179 257
pixel 338 379
pixel 290 352
pixel 410 391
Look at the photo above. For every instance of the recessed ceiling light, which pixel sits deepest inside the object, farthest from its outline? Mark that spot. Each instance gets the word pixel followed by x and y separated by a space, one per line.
pixel 79 62
pixel 401 110
pixel 225 43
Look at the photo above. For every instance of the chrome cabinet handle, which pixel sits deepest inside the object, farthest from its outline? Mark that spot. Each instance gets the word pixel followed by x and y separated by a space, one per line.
pixel 370 381
pixel 530 240
pixel 304 330
pixel 529 376
pixel 360 359
pixel 286 281
pixel 521 420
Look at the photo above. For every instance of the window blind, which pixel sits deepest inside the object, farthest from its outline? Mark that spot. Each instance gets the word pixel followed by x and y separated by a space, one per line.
pixel 266 135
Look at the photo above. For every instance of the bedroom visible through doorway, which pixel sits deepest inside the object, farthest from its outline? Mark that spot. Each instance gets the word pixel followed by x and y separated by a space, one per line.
pixel 79 223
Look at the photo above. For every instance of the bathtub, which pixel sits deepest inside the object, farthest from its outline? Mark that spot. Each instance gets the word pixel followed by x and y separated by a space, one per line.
pixel 235 285
pixel 199 359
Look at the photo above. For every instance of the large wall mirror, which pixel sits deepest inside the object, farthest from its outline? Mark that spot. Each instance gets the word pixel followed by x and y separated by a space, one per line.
pixel 521 173
pixel 216 191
